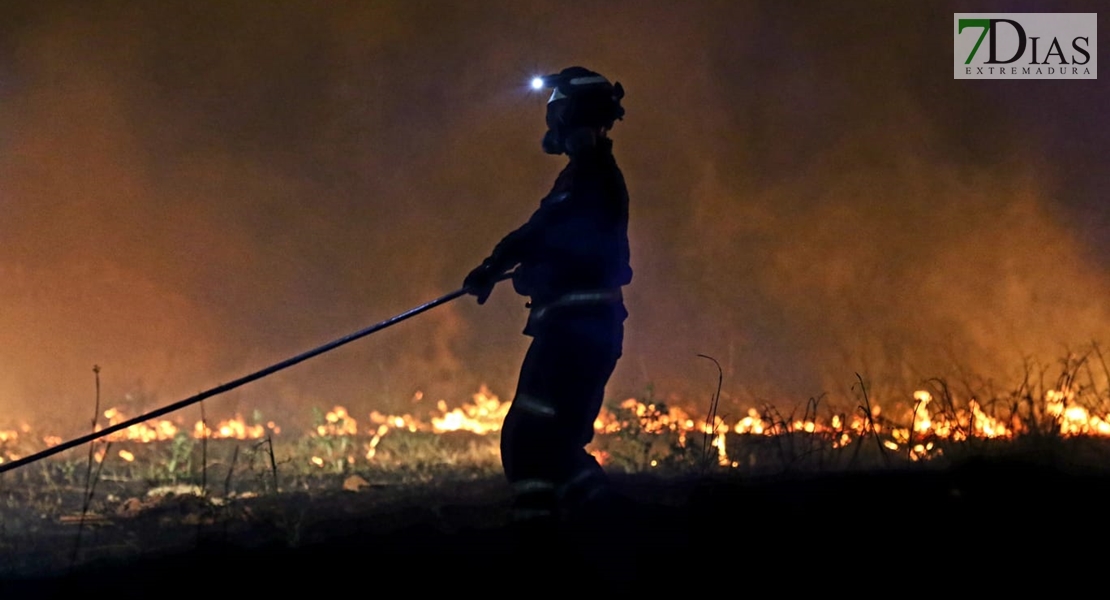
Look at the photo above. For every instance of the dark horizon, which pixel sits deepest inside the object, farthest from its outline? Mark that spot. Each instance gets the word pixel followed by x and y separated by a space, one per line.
pixel 193 191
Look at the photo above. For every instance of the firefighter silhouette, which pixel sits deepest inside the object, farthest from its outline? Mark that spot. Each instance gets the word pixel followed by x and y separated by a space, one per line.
pixel 571 258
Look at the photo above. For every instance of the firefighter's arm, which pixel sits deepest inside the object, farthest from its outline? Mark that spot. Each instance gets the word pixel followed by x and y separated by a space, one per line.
pixel 516 247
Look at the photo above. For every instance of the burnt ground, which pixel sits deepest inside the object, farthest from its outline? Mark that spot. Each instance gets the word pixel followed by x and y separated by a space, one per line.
pixel 984 522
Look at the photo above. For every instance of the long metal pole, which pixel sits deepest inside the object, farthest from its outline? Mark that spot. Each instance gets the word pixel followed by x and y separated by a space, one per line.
pixel 289 362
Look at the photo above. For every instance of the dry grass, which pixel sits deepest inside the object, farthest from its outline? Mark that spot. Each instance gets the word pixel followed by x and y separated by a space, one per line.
pixel 206 483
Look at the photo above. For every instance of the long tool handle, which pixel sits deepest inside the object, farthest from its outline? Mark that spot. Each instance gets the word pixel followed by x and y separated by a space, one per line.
pixel 289 362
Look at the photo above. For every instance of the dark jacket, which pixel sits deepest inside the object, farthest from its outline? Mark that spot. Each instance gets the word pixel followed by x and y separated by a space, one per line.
pixel 577 240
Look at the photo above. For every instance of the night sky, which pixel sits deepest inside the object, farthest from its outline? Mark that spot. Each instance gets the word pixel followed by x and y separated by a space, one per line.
pixel 191 191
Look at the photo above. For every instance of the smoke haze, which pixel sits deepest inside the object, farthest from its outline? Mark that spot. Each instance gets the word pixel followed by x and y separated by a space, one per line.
pixel 191 191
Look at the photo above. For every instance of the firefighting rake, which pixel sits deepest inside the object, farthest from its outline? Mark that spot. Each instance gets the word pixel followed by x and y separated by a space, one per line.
pixel 270 370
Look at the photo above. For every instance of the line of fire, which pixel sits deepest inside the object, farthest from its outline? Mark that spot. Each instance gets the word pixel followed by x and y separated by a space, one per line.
pixel 349 441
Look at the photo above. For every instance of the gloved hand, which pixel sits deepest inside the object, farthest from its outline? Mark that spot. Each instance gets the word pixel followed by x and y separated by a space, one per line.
pixel 480 281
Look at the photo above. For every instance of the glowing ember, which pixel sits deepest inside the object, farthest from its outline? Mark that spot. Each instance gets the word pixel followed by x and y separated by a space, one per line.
pixel 337 422
pixel 752 423
pixel 406 422
pixel 372 447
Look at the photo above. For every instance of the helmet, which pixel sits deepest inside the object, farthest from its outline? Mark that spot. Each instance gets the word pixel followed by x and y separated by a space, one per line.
pixel 581 102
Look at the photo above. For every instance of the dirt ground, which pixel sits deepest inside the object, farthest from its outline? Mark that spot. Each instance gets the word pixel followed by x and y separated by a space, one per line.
pixel 1000 520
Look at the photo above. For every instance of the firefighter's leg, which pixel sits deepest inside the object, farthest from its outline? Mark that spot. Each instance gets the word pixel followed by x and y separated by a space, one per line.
pixel 528 437
pixel 591 357
pixel 597 522
pixel 561 387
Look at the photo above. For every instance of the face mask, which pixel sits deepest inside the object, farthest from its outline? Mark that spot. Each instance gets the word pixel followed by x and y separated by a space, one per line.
pixel 552 140
pixel 552 144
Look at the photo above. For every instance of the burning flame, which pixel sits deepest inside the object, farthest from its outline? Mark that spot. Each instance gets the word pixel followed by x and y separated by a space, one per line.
pixel 483 416
pixel 485 412
pixel 1073 419
pixel 160 430
pixel 235 428
pixel 151 431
